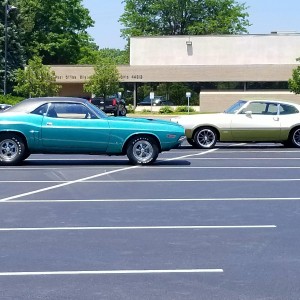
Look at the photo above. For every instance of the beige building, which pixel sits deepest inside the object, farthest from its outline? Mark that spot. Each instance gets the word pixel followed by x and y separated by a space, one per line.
pixel 246 60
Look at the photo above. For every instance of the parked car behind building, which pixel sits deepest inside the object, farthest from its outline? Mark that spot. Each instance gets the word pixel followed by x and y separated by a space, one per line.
pixel 157 101
pixel 4 106
pixel 111 104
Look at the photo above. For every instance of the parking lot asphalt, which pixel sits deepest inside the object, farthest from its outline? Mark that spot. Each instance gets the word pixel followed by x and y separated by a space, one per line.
pixel 198 224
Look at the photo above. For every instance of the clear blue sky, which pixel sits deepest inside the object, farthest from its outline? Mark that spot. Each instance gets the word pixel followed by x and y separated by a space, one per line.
pixel 264 15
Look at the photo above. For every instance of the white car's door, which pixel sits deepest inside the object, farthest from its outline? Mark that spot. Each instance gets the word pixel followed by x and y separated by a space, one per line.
pixel 257 122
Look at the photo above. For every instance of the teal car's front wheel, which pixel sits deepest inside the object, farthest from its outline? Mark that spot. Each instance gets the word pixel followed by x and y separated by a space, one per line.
pixel 12 149
pixel 142 150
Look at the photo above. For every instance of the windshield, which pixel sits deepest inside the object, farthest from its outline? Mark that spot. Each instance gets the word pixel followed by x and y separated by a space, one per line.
pixel 97 110
pixel 235 107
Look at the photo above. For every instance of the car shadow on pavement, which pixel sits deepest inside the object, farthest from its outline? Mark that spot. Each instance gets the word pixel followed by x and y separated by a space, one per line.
pixel 81 162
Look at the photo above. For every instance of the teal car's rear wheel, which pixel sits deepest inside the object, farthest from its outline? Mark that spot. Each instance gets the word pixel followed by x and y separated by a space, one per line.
pixel 142 150
pixel 12 149
pixel 205 137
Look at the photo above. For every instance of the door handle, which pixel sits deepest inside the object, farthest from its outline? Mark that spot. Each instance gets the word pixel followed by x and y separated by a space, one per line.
pixel 49 124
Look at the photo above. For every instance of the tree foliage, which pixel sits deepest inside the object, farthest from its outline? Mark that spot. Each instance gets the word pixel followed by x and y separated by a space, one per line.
pixel 117 56
pixel 183 17
pixel 36 80
pixel 15 50
pixel 294 82
pixel 55 30
pixel 105 80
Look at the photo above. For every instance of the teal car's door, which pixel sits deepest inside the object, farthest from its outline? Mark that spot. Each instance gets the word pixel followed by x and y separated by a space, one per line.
pixel 73 126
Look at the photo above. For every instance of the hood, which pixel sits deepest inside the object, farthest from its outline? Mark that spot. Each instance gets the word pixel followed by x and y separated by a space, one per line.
pixel 193 118
pixel 142 120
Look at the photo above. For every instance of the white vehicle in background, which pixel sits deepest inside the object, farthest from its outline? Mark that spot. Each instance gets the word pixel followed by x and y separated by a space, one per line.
pixel 245 121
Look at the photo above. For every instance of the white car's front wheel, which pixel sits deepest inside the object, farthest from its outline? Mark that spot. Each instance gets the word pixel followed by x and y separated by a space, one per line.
pixel 205 137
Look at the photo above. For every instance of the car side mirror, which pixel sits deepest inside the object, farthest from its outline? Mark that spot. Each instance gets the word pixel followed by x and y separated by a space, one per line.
pixel 248 113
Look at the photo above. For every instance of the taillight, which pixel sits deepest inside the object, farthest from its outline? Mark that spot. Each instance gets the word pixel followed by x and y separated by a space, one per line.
pixel 114 102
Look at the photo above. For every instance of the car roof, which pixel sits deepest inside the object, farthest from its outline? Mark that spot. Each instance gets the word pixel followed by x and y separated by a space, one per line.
pixel 30 104
pixel 270 101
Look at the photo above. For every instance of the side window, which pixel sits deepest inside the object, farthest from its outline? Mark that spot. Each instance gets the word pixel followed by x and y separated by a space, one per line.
pixel 257 108
pixel 271 109
pixel 70 111
pixel 41 110
pixel 285 109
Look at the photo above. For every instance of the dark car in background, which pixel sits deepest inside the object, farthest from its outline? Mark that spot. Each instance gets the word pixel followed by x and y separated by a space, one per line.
pixel 4 106
pixel 112 104
pixel 157 101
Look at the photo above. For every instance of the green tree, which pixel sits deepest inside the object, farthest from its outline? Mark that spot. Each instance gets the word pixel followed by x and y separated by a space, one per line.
pixel 183 17
pixel 55 30
pixel 117 56
pixel 15 51
pixel 105 80
pixel 294 82
pixel 36 80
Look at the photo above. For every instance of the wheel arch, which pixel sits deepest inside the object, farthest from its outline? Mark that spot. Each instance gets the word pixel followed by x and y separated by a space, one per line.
pixel 141 134
pixel 292 129
pixel 291 132
pixel 19 134
pixel 206 126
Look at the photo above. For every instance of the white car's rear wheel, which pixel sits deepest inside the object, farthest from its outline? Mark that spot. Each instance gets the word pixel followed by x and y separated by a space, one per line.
pixel 295 137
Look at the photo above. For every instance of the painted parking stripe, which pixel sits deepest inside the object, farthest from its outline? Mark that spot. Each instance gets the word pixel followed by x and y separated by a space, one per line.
pixel 139 227
pixel 94 176
pixel 111 272
pixel 86 181
pixel 155 200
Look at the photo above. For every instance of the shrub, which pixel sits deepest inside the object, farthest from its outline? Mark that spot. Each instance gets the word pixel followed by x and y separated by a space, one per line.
pixel 184 109
pixel 166 110
pixel 130 109
pixel 9 99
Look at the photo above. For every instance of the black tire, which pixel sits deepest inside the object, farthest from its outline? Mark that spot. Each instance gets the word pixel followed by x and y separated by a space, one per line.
pixel 122 111
pixel 12 149
pixel 205 138
pixel 26 155
pixel 142 150
pixel 295 137
pixel 191 142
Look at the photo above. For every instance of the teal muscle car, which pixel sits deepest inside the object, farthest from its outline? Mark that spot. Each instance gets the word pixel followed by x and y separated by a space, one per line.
pixel 66 125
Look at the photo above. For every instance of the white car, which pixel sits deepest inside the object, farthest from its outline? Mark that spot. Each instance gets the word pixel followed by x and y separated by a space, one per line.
pixel 245 121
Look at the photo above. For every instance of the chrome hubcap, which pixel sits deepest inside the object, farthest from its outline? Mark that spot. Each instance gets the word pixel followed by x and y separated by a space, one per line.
pixel 206 138
pixel 142 150
pixel 297 137
pixel 8 149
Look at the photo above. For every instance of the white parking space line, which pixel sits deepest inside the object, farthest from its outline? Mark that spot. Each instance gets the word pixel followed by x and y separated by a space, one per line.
pixel 111 272
pixel 86 181
pixel 154 200
pixel 137 227
pixel 94 176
